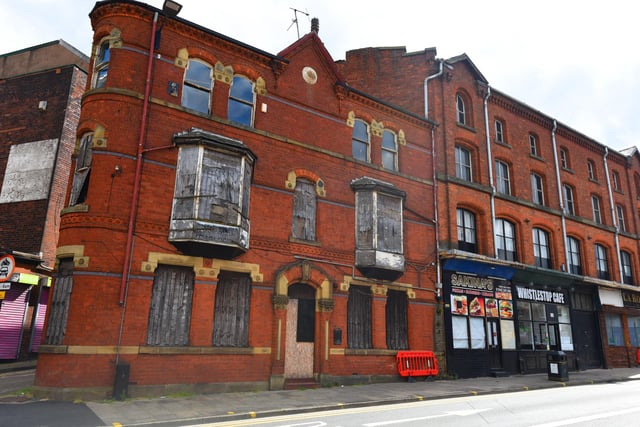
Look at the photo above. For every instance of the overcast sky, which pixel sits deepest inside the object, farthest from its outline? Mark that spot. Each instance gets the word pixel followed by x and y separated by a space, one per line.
pixel 574 60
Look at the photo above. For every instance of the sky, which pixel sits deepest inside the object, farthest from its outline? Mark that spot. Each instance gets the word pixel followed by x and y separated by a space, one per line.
pixel 574 60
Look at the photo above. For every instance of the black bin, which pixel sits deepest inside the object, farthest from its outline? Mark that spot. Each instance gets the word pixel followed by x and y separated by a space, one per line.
pixel 557 368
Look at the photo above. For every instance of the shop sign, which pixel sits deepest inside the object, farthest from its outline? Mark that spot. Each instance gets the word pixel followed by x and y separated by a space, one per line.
pixel 631 299
pixel 540 295
pixel 7 265
pixel 472 285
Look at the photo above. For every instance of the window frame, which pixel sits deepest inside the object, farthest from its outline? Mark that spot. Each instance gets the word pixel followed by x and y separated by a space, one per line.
pixel 467 229
pixel 464 166
pixel 591 170
pixel 541 247
pixel 533 145
pixel 101 65
pixel 390 151
pixel 503 182
pixel 503 241
pixel 359 140
pixel 569 200
pixel 564 159
pixel 615 333
pixel 82 170
pixel 602 262
pixel 627 267
pixel 461 110
pixel 499 128
pixel 596 209
pixel 622 225
pixel 192 86
pixel 231 311
pixel 236 100
pixel 537 189
pixel 575 256
pixel 616 181
pixel 304 211
pixel 359 317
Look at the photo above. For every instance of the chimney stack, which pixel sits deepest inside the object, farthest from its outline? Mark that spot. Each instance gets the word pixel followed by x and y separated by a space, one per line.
pixel 315 25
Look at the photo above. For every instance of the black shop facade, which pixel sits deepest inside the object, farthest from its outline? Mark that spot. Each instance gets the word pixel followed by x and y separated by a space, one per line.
pixel 502 320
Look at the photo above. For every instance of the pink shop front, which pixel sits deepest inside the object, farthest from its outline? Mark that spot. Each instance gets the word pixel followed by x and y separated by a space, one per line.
pixel 502 321
pixel 23 306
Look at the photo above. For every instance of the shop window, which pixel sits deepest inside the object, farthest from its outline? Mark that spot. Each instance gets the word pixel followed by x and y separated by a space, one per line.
pixel 198 84
pixel 80 184
pixel 503 179
pixel 575 259
pixel 241 101
pixel 463 164
pixel 170 309
pixel 59 304
pixel 627 267
pixel 359 317
pixel 396 320
pixel 613 324
pixel 466 230
pixel 303 224
pixel 360 141
pixel 231 311
pixel 461 110
pixel 602 262
pixel 468 322
pixel 634 330
pixel 379 228
pixel 505 238
pixel 544 326
pixel 389 150
pixel 101 64
pixel 211 195
pixel 541 248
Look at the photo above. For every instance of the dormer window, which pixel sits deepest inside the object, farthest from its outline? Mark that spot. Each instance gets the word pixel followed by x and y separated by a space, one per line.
pixel 379 228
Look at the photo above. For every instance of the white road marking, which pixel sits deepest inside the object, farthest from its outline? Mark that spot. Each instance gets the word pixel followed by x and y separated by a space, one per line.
pixel 579 420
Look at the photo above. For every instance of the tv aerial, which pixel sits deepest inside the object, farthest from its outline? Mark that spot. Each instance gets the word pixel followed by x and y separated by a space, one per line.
pixel 295 19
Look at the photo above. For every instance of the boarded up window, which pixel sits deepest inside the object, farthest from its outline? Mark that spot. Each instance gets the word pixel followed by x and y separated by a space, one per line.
pixel 389 223
pixel 303 224
pixel 59 305
pixel 83 168
pixel 231 313
pixel 359 317
pixel 170 311
pixel 396 316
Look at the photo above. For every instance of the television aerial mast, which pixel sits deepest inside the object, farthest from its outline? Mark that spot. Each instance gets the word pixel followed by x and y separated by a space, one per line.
pixel 295 19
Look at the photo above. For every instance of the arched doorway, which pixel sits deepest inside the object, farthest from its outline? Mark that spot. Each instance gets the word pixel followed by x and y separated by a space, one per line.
pixel 301 315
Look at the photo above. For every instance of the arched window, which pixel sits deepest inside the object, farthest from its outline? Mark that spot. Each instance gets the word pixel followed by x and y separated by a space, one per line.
pixel 575 258
pixel 602 262
pixel 101 64
pixel 541 248
pixel 80 185
pixel 241 101
pixel 303 222
pixel 461 110
pixel 466 231
pixel 505 240
pixel 198 83
pixel 389 150
pixel 360 140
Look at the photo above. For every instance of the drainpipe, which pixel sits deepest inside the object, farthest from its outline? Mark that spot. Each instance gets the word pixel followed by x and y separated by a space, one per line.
pixel 126 266
pixel 613 212
pixel 426 88
pixel 435 178
pixel 560 196
pixel 490 165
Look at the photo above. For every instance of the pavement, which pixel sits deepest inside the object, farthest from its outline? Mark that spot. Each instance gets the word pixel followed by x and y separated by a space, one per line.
pixel 210 408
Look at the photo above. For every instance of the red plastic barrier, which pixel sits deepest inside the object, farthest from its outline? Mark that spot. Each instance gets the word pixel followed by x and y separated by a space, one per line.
pixel 417 363
pixel 639 356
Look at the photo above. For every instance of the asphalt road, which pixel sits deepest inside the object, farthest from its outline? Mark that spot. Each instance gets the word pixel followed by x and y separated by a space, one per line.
pixel 585 406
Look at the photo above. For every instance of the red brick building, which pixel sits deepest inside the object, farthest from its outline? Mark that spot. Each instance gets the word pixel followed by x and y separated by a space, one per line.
pixel 538 223
pixel 236 219
pixel 40 89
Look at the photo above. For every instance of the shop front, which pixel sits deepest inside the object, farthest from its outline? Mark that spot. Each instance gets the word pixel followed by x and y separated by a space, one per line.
pixel 621 319
pixel 496 323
